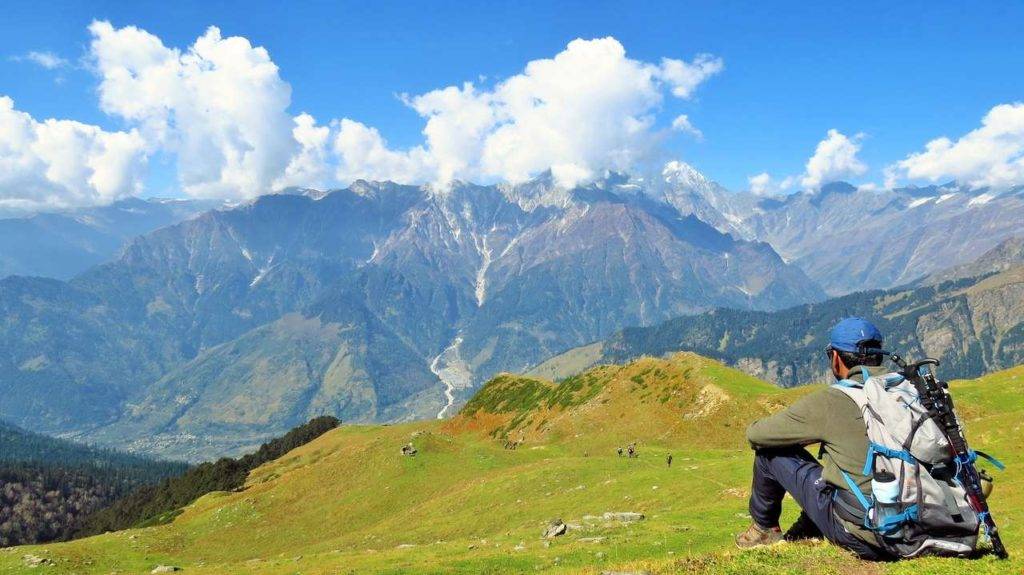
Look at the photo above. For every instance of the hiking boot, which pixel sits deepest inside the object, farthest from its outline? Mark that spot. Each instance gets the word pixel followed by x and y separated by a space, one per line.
pixel 802 528
pixel 756 536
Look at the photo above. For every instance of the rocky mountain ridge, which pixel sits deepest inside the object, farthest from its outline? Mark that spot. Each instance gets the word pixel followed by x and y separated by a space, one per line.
pixel 63 244
pixel 973 325
pixel 851 239
pixel 380 302
pixel 389 302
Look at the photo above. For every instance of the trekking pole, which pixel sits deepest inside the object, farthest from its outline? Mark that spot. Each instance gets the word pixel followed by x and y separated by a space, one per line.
pixel 936 399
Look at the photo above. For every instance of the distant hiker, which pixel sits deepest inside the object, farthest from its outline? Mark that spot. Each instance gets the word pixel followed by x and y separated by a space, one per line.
pixel 631 450
pixel 619 451
pixel 831 418
pixel 668 459
pixel 408 450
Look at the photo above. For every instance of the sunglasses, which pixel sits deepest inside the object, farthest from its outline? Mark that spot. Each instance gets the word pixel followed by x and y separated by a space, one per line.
pixel 866 347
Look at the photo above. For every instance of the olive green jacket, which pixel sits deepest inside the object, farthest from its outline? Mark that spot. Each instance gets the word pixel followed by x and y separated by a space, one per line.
pixel 829 418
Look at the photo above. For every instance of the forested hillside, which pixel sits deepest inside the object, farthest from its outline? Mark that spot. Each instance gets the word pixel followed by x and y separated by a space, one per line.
pixel 48 486
pixel 973 325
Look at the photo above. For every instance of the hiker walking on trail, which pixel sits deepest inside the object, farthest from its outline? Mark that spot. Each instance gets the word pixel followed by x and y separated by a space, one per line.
pixel 631 450
pixel 619 451
pixel 668 459
pixel 853 497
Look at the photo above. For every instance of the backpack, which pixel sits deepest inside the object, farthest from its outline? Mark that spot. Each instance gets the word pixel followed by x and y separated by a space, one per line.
pixel 924 509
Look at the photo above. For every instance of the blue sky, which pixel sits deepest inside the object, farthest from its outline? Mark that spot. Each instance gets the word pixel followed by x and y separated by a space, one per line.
pixel 901 74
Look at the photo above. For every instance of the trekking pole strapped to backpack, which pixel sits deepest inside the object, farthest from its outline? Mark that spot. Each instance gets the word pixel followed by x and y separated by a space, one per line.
pixel 926 495
pixel 936 400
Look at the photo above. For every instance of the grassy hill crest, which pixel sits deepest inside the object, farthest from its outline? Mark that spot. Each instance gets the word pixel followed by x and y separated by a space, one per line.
pixel 678 398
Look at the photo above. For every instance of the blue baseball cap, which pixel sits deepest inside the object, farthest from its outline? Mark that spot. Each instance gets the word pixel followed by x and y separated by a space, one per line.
pixel 854 334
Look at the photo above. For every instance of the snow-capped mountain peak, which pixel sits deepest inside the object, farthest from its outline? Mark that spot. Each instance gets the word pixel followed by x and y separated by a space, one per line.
pixel 681 174
pixel 541 191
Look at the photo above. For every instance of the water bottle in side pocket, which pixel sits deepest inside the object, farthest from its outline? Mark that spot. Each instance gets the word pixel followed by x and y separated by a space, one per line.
pixel 886 492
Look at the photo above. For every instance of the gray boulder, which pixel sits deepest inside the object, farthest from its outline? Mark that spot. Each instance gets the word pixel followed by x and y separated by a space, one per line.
pixel 35 560
pixel 555 529
pixel 623 516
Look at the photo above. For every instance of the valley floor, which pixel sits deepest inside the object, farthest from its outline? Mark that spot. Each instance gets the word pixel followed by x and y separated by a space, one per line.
pixel 349 503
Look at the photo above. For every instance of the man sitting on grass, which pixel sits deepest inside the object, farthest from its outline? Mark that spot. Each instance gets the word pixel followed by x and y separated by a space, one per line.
pixel 830 418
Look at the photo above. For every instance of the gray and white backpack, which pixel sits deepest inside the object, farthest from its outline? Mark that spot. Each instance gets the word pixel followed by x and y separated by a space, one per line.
pixel 917 505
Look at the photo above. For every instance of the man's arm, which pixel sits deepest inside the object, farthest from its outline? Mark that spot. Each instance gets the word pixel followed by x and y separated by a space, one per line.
pixel 802 423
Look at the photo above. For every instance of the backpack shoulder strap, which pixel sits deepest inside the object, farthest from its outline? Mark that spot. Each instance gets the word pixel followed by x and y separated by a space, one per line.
pixel 852 389
pixel 847 383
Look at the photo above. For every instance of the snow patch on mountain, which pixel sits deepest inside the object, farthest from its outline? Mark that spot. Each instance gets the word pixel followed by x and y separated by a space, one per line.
pixel 262 272
pixel 480 289
pixel 539 192
pixel 376 252
pixel 733 218
pixel 981 199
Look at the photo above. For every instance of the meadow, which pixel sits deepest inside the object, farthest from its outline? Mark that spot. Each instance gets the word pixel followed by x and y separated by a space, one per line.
pixel 350 502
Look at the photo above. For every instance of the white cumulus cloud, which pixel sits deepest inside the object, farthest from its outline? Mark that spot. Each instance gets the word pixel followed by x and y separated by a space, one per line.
pixel 364 154
pixel 682 124
pixel 44 59
pixel 310 166
pixel 220 106
pixel 63 163
pixel 764 184
pixel 686 76
pixel 991 155
pixel 760 184
pixel 220 109
pixel 587 109
pixel 835 158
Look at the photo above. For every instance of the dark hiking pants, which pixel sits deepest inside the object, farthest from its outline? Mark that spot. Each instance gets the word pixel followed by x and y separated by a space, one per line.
pixel 794 471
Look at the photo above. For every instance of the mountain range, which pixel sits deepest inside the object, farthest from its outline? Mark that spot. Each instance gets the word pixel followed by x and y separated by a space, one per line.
pixel 848 239
pixel 384 302
pixel 378 302
pixel 970 317
pixel 62 244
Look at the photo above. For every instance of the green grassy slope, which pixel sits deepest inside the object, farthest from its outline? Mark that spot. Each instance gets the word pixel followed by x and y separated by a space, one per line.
pixel 350 503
